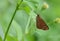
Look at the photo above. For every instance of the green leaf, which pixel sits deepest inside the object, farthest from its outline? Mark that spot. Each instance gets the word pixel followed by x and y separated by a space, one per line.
pixel 18 30
pixel 0 39
pixel 11 38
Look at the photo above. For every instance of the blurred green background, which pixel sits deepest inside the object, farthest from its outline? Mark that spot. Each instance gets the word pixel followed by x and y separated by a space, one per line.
pixel 23 27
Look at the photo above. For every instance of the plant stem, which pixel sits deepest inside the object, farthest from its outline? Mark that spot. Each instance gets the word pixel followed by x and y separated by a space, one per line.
pixel 12 20
pixel 26 30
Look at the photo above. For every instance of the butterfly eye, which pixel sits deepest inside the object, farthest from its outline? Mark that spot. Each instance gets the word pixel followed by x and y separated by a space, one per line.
pixel 40 23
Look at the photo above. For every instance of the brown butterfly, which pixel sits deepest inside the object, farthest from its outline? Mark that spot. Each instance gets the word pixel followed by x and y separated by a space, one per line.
pixel 40 23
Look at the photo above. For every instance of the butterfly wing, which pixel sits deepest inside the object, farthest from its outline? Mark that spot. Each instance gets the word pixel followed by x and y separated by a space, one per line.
pixel 40 23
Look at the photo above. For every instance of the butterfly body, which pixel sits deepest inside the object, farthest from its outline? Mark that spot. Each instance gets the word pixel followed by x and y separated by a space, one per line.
pixel 40 23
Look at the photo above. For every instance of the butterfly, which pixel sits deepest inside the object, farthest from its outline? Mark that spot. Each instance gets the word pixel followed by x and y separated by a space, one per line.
pixel 40 23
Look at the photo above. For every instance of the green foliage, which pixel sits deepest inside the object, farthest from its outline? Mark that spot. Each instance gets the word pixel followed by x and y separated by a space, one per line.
pixel 0 39
pixel 23 26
